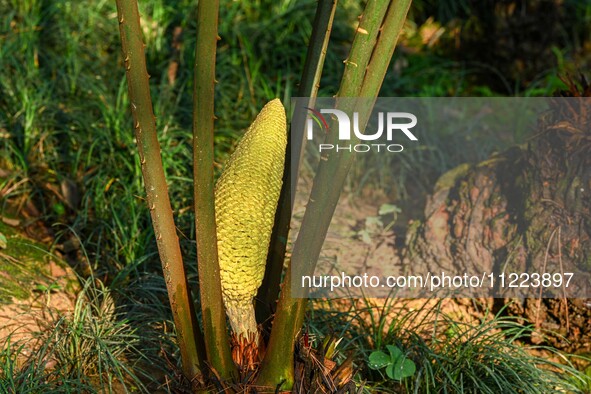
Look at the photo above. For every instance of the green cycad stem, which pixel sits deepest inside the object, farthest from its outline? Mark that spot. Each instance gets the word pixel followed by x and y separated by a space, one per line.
pixel 188 335
pixel 362 48
pixel 384 49
pixel 277 368
pixel 310 82
pixel 217 343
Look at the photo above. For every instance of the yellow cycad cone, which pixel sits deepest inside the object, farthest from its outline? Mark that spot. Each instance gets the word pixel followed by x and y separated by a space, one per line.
pixel 246 198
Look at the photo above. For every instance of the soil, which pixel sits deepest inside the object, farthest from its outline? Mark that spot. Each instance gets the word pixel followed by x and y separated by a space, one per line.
pixel 36 287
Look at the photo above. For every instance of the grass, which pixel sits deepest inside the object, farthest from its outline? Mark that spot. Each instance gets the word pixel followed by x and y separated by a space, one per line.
pixel 93 349
pixel 450 354
pixel 101 347
pixel 64 119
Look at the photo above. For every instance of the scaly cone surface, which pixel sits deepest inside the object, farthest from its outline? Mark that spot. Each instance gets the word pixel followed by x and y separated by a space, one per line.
pixel 246 198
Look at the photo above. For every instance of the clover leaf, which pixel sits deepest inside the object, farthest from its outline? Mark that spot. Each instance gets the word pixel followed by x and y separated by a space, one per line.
pixel 397 365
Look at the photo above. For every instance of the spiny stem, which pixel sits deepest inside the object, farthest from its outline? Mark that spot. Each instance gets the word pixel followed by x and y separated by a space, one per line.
pixel 277 369
pixel 380 58
pixel 384 48
pixel 310 82
pixel 188 335
pixel 217 343
pixel 362 48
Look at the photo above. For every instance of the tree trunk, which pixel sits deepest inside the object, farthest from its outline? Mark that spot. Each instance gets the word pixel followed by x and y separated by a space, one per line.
pixel 525 210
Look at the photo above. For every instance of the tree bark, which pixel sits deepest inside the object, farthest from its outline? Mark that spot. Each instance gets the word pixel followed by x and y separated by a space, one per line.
pixel 524 210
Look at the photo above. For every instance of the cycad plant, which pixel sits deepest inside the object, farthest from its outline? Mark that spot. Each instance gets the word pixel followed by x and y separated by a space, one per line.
pixel 247 213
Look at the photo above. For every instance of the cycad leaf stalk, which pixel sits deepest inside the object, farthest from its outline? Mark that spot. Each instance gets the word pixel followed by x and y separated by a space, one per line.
pixel 277 369
pixel 309 85
pixel 216 337
pixel 188 335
